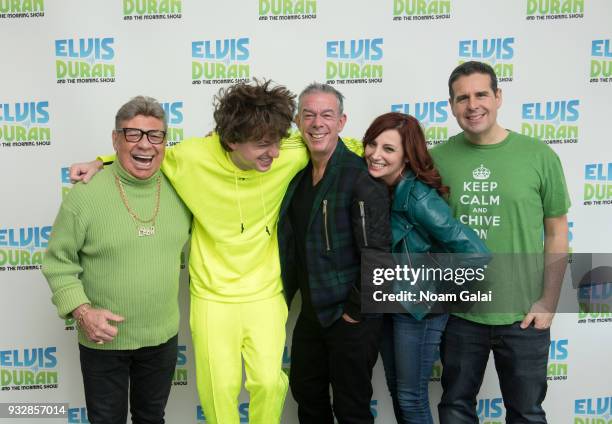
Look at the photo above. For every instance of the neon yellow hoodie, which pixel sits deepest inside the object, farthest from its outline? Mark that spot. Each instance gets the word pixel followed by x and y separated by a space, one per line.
pixel 234 246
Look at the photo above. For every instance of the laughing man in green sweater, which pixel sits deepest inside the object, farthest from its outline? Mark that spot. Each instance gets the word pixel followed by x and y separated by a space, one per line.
pixel 113 264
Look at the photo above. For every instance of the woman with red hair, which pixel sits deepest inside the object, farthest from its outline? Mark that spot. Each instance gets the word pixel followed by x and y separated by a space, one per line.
pixel 421 222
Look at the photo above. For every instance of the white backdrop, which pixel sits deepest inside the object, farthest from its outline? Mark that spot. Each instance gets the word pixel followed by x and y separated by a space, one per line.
pixel 68 65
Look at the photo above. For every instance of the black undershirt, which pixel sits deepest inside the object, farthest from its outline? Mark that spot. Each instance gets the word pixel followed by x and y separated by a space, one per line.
pixel 299 215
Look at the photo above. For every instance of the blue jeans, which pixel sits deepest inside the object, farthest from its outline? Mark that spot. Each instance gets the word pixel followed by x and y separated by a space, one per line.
pixel 521 358
pixel 409 349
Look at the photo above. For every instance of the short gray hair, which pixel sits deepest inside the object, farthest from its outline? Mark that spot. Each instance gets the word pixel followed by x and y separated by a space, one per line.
pixel 140 105
pixel 317 87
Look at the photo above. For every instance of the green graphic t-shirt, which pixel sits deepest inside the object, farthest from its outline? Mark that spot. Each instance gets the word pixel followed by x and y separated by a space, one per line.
pixel 504 192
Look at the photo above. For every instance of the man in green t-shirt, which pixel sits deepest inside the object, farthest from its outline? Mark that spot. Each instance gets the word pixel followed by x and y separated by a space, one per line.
pixel 510 189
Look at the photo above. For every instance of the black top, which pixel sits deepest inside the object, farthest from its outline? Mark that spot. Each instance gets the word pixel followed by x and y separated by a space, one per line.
pixel 299 214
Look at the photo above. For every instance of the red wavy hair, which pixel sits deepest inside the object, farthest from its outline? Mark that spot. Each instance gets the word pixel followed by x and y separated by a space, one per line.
pixel 415 147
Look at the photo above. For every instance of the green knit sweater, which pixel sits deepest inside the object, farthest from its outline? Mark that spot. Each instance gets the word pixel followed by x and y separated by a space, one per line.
pixel 96 256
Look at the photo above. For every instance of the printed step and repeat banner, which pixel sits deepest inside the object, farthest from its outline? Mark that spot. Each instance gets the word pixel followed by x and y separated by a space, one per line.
pixel 67 65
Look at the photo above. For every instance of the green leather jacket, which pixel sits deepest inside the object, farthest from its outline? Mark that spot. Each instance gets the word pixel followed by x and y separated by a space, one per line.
pixel 421 224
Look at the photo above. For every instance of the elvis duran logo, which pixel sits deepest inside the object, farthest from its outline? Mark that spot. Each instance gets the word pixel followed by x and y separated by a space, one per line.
pixel 597 410
pixel 540 10
pixel 174 117
pixel 285 10
pixel 142 10
pixel 354 61
pixel 25 124
pixel 85 60
pixel 553 122
pixel 421 10
pixel 594 303
pixel 21 9
pixel 220 61
pixel 601 61
pixel 497 52
pixel 23 248
pixel 597 184
pixel 557 359
pixel 490 411
pixel 432 115
pixel 28 369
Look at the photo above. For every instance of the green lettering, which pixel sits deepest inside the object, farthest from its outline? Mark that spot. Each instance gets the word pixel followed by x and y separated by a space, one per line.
pixel 164 6
pixel 196 70
pixel 51 377
pixel 264 7
pixel 128 7
pixel 311 7
pixel 244 71
pixel 398 7
pixel 28 377
pixel 331 69
pixel 180 375
pixel 60 69
pixel 37 258
pixel 531 6
pixel 5 376
pixel 444 7
pixel 377 71
pixel 220 70
pixel 20 133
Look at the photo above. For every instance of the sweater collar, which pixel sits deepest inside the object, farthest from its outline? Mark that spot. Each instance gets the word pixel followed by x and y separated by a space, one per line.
pixel 129 179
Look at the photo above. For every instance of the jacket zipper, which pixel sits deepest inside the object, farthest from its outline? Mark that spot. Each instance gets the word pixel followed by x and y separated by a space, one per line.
pixel 362 212
pixel 325 224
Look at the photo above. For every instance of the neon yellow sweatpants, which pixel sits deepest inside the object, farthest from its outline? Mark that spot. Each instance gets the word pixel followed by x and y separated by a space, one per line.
pixel 224 334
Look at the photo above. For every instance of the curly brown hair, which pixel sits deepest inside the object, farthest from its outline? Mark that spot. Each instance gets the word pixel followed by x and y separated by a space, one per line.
pixel 415 147
pixel 252 111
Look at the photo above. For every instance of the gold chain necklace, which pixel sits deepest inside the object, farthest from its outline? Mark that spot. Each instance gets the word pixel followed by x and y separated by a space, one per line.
pixel 143 229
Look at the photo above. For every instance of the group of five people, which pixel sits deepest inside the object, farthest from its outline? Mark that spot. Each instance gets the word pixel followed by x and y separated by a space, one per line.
pixel 272 213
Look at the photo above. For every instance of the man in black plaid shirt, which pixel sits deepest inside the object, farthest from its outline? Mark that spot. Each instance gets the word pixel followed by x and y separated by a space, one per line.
pixel 332 212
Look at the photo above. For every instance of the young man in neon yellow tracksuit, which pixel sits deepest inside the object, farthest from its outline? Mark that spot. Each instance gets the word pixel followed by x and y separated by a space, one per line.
pixel 234 181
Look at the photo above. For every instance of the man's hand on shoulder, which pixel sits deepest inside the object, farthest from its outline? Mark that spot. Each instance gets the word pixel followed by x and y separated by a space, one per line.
pixel 84 171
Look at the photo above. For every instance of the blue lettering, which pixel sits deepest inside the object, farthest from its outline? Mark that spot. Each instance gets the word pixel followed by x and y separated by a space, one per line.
pixel 65 172
pixel 367 49
pixel 601 48
pixel 196 49
pixel 558 350
pixel 77 416
pixel 243 410
pixel 234 49
pixel 243 48
pixel 561 110
pixel 498 48
pixel 200 414
pixel 489 408
pixel 181 358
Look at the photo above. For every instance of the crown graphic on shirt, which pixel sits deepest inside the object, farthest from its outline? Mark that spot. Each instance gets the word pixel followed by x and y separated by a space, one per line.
pixel 481 173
